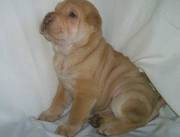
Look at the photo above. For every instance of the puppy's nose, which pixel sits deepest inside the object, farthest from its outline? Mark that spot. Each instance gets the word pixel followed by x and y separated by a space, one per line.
pixel 49 18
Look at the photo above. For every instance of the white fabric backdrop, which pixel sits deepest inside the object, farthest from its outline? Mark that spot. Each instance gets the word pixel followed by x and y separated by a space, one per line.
pixel 148 31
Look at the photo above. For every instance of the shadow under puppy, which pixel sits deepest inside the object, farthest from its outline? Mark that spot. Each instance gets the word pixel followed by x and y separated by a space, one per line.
pixel 103 86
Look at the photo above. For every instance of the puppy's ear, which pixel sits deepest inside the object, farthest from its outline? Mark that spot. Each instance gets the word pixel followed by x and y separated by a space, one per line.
pixel 95 20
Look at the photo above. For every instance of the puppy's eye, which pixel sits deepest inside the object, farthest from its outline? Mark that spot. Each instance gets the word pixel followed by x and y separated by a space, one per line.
pixel 72 14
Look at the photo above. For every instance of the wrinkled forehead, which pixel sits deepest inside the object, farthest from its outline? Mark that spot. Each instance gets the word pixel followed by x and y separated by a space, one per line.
pixel 68 5
pixel 80 6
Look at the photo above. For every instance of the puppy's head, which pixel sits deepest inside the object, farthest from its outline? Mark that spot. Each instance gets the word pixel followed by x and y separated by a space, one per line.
pixel 72 22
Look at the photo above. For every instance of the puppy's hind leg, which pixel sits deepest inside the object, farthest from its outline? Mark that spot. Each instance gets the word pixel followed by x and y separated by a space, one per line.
pixel 127 115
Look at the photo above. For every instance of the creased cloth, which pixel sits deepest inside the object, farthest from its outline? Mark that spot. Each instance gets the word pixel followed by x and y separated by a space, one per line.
pixel 166 125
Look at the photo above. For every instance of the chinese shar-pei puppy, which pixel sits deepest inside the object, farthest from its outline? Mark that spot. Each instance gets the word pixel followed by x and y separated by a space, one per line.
pixel 103 86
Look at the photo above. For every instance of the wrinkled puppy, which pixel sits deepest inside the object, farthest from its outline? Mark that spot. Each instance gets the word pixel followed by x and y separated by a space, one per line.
pixel 103 86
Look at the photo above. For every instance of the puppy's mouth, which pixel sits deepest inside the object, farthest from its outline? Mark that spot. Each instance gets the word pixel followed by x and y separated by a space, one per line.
pixel 50 24
pixel 48 19
pixel 49 27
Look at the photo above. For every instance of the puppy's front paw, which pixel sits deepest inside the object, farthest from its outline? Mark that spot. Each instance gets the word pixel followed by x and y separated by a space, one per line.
pixel 67 131
pixel 48 116
pixel 105 130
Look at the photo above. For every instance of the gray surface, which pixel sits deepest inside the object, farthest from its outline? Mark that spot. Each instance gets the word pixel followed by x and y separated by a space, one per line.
pixel 166 125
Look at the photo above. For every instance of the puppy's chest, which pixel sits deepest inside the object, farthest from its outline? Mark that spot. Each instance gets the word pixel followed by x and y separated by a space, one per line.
pixel 65 71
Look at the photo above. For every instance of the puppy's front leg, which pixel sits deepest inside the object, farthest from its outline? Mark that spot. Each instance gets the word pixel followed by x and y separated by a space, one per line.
pixel 84 100
pixel 57 106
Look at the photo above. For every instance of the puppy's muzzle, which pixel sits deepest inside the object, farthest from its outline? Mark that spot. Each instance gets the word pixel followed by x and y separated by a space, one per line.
pixel 48 19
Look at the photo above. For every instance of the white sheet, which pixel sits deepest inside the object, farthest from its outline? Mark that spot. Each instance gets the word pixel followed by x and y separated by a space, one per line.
pixel 166 125
pixel 145 30
pixel 148 31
